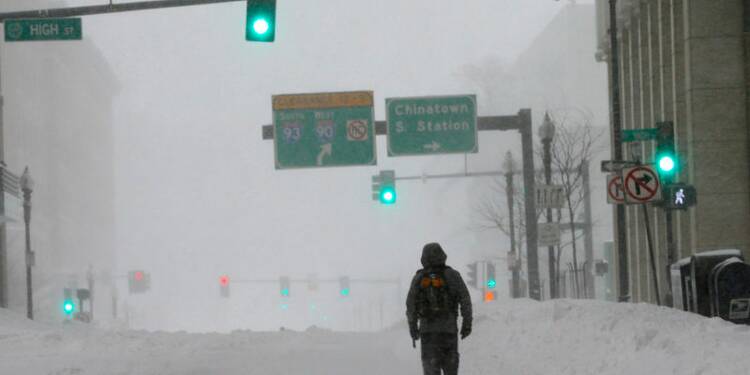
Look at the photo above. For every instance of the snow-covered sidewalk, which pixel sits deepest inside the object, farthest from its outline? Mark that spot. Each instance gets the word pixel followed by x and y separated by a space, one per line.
pixel 510 337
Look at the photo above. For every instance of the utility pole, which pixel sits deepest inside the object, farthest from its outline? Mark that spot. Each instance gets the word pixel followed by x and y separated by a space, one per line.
pixel 622 246
pixel 3 247
pixel 547 134
pixel 27 185
pixel 527 147
pixel 588 240
pixel 509 167
pixel 90 280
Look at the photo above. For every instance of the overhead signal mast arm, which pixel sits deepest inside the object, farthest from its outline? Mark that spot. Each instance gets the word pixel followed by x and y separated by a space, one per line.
pixel 108 8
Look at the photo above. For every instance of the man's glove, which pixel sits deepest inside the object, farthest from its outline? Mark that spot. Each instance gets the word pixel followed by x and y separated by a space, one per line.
pixel 414 331
pixel 465 329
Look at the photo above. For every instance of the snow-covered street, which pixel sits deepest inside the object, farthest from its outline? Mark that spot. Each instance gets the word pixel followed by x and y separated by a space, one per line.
pixel 510 337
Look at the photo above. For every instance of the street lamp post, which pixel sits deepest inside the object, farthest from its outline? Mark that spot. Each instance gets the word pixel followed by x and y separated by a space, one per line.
pixel 547 134
pixel 509 168
pixel 27 185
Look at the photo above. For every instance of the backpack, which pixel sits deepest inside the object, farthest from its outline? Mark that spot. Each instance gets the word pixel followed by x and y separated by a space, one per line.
pixel 433 298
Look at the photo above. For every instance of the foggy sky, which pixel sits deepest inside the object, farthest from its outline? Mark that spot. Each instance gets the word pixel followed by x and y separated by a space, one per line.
pixel 197 195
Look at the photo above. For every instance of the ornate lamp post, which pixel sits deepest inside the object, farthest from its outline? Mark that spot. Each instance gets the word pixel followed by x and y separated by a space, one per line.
pixel 547 134
pixel 27 185
pixel 509 167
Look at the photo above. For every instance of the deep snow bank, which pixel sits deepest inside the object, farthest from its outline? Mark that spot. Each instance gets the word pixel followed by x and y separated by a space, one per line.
pixel 510 337
pixel 594 337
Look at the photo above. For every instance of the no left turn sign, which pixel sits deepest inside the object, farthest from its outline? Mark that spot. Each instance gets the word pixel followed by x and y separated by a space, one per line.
pixel 615 191
pixel 641 184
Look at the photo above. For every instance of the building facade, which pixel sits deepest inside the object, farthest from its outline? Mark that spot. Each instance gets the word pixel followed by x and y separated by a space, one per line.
pixel 685 61
pixel 58 103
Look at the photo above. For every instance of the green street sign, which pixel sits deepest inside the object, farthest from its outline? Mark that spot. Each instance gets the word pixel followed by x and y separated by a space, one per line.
pixel 324 130
pixel 635 135
pixel 22 30
pixel 432 125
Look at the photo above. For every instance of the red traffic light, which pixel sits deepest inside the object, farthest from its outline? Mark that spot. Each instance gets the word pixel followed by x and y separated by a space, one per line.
pixel 224 280
pixel 138 276
pixel 489 296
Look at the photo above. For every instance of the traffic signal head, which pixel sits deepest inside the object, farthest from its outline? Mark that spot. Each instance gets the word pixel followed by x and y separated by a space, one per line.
pixel 665 156
pixel 387 193
pixel 69 307
pixel 224 286
pixel 284 285
pixel 491 280
pixel 138 281
pixel 344 286
pixel 260 23
pixel 471 275
pixel 489 295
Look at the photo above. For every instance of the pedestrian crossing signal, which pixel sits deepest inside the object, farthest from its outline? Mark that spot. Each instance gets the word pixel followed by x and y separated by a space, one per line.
pixel 679 196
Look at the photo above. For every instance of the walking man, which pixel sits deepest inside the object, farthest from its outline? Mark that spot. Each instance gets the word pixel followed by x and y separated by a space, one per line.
pixel 435 295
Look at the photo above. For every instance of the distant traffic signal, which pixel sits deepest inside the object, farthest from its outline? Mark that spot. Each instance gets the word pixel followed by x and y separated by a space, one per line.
pixel 471 275
pixel 344 286
pixel 260 24
pixel 284 286
pixel 490 276
pixel 68 306
pixel 224 286
pixel 138 281
pixel 489 295
pixel 384 187
pixel 665 156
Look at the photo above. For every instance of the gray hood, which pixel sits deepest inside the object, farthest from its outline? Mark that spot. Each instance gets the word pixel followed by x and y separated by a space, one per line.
pixel 433 255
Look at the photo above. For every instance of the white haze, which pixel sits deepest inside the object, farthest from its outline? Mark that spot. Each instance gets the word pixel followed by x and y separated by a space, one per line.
pixel 196 194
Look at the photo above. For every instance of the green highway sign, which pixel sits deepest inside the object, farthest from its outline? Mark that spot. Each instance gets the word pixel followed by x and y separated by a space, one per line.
pixel 635 135
pixel 432 125
pixel 324 130
pixel 22 30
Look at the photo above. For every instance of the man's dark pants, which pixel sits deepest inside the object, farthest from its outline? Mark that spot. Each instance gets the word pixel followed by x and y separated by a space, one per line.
pixel 439 352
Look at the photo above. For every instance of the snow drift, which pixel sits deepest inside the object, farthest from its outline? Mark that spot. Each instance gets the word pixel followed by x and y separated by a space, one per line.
pixel 510 337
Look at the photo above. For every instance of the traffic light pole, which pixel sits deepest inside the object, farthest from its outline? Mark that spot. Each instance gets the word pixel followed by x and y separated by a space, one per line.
pixel 108 8
pixel 622 246
pixel 511 222
pixel 522 123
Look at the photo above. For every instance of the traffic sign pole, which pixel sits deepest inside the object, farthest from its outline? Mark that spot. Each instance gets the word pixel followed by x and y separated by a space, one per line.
pixel 646 221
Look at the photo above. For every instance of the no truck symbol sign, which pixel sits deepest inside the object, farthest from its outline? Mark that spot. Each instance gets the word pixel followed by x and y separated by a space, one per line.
pixel 641 184
pixel 615 191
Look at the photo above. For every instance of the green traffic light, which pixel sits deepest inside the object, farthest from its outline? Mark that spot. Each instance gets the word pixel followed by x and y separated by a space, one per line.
pixel 260 26
pixel 666 163
pixel 285 292
pixel 68 307
pixel 345 292
pixel 260 20
pixel 388 195
pixel 491 283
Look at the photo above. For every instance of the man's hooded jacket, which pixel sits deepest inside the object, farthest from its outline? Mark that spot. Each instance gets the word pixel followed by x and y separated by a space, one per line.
pixel 433 258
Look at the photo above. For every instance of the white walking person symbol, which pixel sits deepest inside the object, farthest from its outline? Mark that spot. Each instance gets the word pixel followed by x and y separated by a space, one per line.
pixel 680 197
